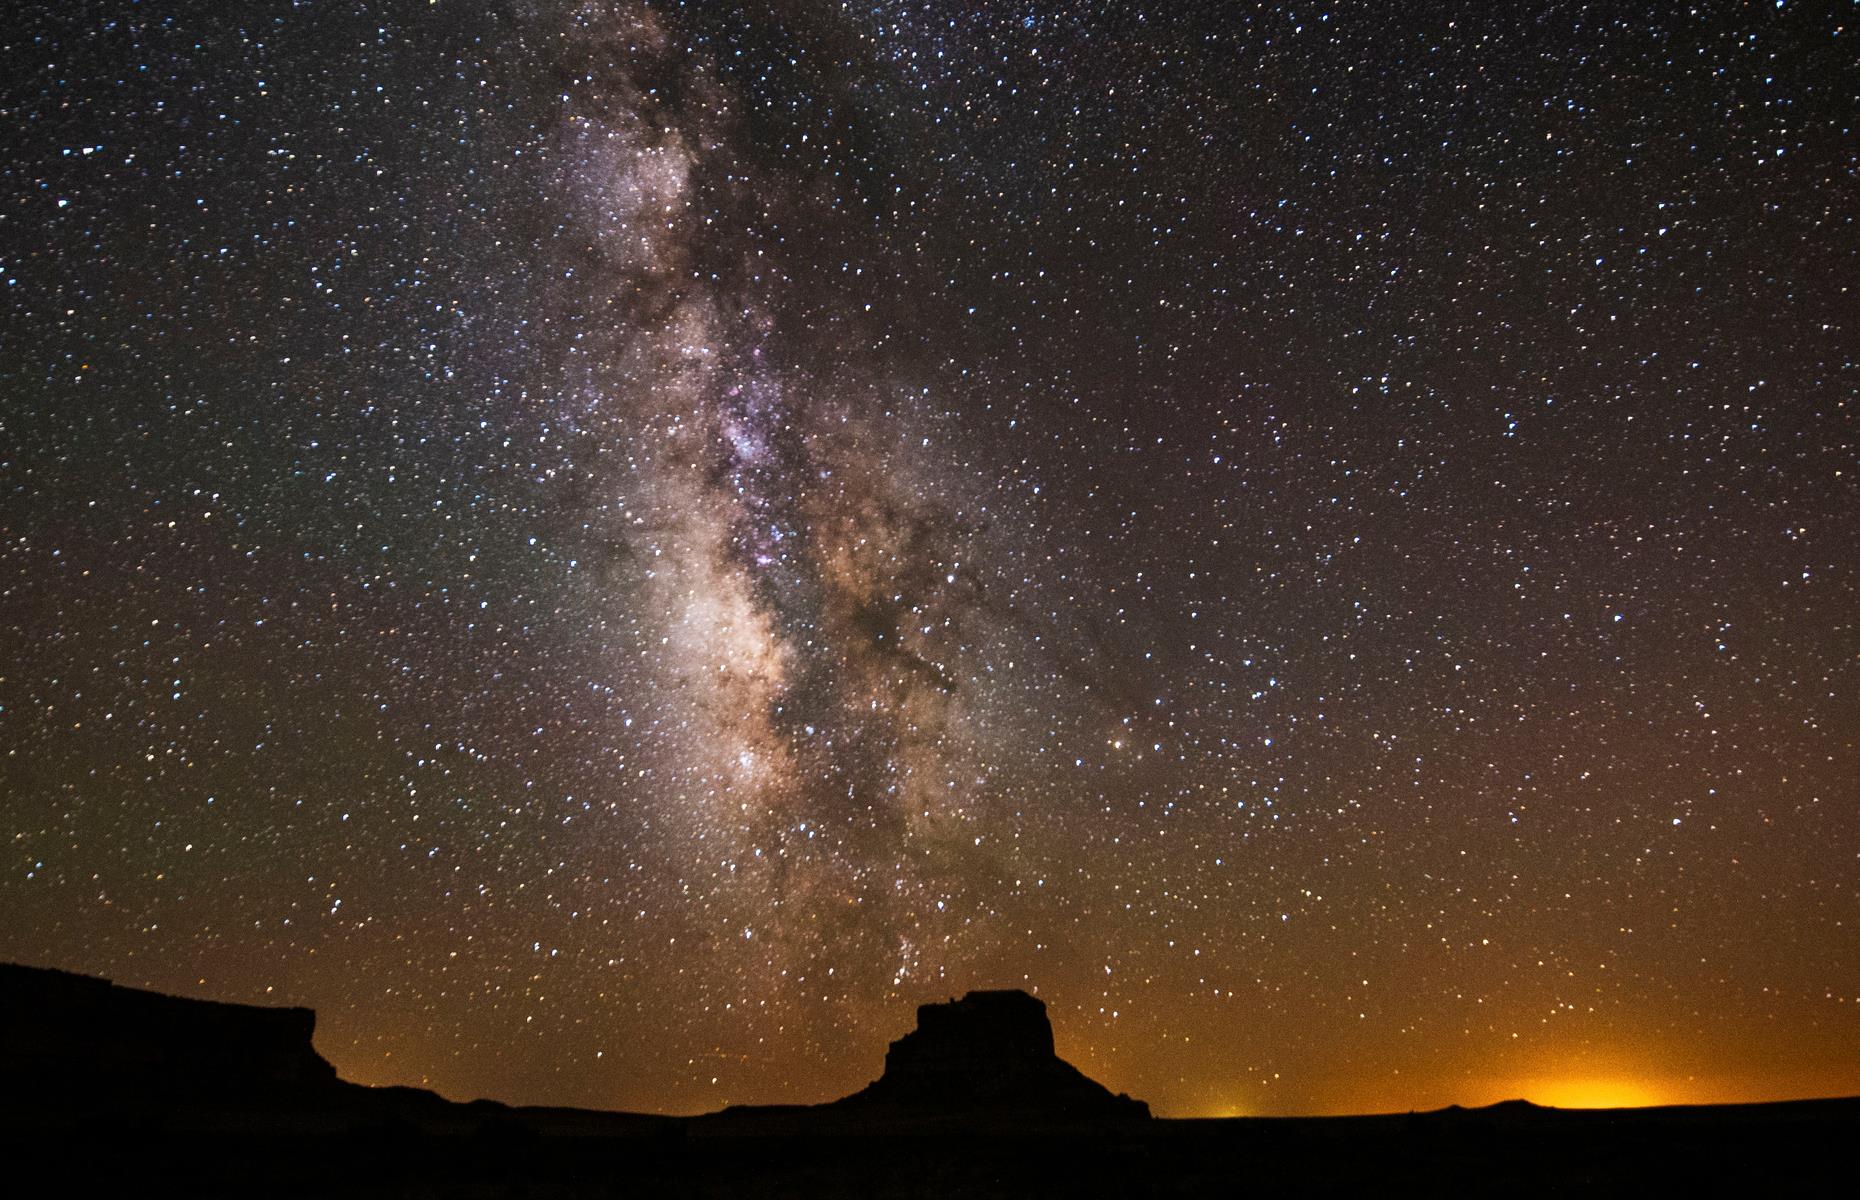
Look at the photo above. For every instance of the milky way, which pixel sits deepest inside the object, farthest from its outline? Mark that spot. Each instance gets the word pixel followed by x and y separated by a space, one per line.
pixel 775 554
pixel 615 548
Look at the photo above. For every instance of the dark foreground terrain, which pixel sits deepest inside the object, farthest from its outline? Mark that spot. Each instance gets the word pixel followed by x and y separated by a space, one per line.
pixel 1770 1150
pixel 107 1090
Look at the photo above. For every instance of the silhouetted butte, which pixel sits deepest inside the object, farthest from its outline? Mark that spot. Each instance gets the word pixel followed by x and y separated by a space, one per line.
pixel 990 1052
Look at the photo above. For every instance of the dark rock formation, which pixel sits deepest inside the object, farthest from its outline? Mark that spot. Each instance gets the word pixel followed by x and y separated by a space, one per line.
pixel 988 1053
pixel 68 1036
pixel 78 1053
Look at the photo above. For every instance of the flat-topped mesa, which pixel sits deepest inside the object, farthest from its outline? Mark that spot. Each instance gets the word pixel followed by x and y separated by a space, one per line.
pixel 987 1052
pixel 984 1032
pixel 84 1054
pixel 75 1036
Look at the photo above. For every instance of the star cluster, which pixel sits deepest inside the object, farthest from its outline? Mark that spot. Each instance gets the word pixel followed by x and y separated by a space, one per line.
pixel 614 548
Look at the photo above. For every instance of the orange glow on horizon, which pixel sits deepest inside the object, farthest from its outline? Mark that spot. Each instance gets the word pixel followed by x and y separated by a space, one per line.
pixel 1577 1086
pixel 1597 1092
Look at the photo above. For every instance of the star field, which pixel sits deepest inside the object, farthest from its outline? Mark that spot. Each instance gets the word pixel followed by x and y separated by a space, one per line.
pixel 613 548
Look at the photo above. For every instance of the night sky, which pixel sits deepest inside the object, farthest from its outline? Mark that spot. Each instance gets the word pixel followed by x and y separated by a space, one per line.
pixel 613 549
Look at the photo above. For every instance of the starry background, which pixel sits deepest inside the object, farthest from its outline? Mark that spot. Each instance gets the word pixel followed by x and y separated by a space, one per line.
pixel 613 549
